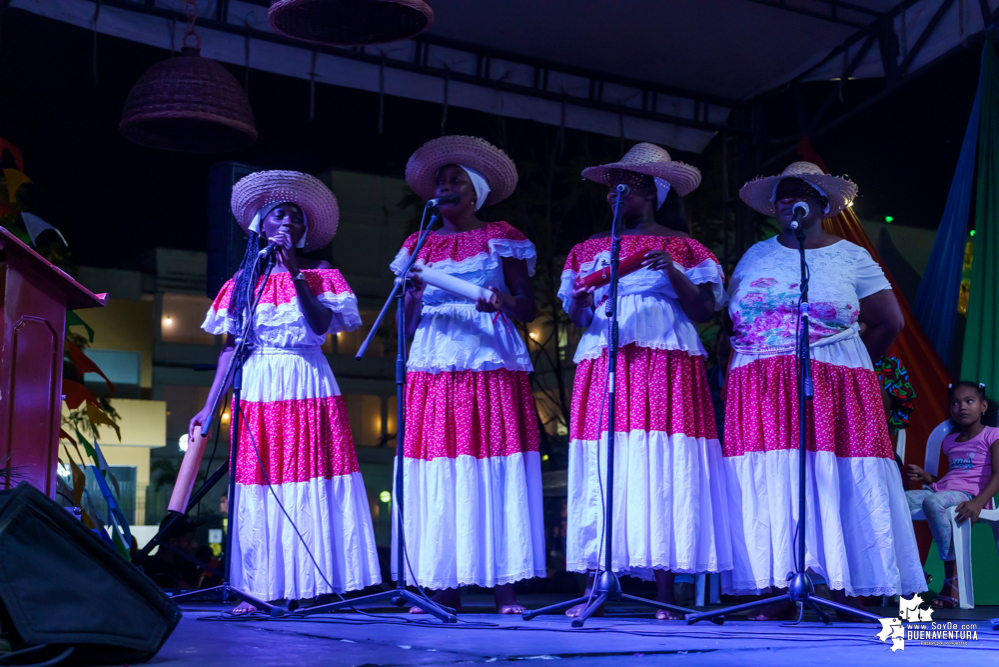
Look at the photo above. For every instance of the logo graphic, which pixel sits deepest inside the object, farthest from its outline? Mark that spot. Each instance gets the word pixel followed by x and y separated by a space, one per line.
pixel 916 624
pixel 908 611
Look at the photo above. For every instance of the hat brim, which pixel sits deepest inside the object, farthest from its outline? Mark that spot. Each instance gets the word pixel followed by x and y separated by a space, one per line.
pixel 322 213
pixel 497 168
pixel 839 192
pixel 682 177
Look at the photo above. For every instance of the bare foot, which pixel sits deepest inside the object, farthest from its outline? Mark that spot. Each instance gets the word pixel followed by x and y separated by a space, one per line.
pixel 244 608
pixel 506 600
pixel 664 593
pixel 449 597
pixel 515 608
pixel 573 612
pixel 785 610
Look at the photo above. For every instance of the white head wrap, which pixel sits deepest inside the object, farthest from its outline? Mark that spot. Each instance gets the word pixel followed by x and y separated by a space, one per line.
pixel 773 195
pixel 480 184
pixel 662 189
pixel 255 223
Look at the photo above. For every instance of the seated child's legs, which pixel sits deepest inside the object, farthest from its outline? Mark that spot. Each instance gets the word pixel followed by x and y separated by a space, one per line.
pixel 935 505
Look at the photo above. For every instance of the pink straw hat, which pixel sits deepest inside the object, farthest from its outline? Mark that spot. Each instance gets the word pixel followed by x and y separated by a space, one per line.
pixel 759 192
pixel 649 159
pixel 498 169
pixel 261 188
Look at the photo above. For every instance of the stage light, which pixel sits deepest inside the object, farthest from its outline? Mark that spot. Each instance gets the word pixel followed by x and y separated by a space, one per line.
pixel 544 457
pixel 385 497
pixel 533 335
pixel 888 218
pixel 167 320
pixel 225 417
pixel 972 232
pixel 182 443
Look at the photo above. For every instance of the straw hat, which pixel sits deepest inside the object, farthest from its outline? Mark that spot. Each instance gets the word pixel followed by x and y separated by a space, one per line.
pixel 759 193
pixel 261 188
pixel 653 161
pixel 479 154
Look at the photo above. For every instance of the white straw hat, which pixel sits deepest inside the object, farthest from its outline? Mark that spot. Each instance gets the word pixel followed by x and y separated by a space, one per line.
pixel 652 160
pixel 261 188
pixel 839 191
pixel 494 165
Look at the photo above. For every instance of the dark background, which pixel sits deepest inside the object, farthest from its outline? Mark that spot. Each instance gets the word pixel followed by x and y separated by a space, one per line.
pixel 114 200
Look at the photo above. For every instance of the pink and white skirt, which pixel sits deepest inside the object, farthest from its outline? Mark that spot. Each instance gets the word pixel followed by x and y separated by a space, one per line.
pixel 472 507
pixel 295 436
pixel 670 511
pixel 858 529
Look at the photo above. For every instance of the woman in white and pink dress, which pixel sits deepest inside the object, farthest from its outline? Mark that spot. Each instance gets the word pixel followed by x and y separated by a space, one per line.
pixel 472 507
pixel 669 500
pixel 858 533
pixel 293 416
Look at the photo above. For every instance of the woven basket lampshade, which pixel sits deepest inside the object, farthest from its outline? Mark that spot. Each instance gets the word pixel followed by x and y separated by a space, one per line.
pixel 188 104
pixel 350 22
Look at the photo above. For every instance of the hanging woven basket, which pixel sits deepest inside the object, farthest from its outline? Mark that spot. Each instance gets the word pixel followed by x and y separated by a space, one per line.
pixel 188 104
pixel 350 22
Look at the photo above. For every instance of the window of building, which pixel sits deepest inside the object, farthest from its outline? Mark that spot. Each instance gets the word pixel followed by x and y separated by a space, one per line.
pixel 182 318
pixel 372 419
pixel 349 342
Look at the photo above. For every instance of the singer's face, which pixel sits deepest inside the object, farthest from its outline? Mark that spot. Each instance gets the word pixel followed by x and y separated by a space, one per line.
pixel 286 216
pixel 789 192
pixel 636 201
pixel 452 179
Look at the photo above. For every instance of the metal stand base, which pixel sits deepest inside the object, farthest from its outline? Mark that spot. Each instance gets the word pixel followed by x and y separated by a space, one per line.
pixel 606 588
pixel 800 590
pixel 225 592
pixel 398 596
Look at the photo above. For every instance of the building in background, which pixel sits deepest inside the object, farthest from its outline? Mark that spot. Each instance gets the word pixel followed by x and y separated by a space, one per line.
pixel 150 343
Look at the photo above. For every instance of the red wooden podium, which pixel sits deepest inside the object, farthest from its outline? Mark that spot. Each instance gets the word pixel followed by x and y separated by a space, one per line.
pixel 34 297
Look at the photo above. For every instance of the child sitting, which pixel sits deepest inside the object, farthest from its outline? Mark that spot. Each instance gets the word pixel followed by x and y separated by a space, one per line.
pixel 971 481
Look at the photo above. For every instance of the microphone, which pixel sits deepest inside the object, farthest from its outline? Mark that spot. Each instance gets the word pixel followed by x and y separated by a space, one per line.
pixel 623 190
pixel 271 245
pixel 268 250
pixel 446 199
pixel 798 213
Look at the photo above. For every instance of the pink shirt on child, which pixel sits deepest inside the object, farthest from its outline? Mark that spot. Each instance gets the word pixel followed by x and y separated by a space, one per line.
pixel 970 463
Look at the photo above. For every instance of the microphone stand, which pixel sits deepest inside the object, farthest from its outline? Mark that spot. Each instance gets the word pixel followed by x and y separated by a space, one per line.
pixel 606 585
pixel 241 352
pixel 800 588
pixel 399 595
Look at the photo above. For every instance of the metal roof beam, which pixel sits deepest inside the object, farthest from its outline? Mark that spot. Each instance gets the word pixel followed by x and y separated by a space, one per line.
pixel 886 17
pixel 924 37
pixel 827 10
pixel 419 64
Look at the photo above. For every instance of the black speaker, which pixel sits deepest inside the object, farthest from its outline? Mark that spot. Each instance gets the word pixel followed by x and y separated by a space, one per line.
pixel 226 239
pixel 62 587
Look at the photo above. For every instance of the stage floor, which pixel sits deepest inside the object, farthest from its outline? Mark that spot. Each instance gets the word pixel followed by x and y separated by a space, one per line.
pixel 627 636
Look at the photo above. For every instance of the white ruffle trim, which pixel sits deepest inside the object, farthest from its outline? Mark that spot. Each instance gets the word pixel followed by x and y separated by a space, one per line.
pixel 270 560
pixel 858 531
pixel 279 374
pixel 346 316
pixel 846 349
pixel 484 260
pixel 759 587
pixel 472 521
pixel 645 281
pixel 457 337
pixel 669 502
pixel 647 320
